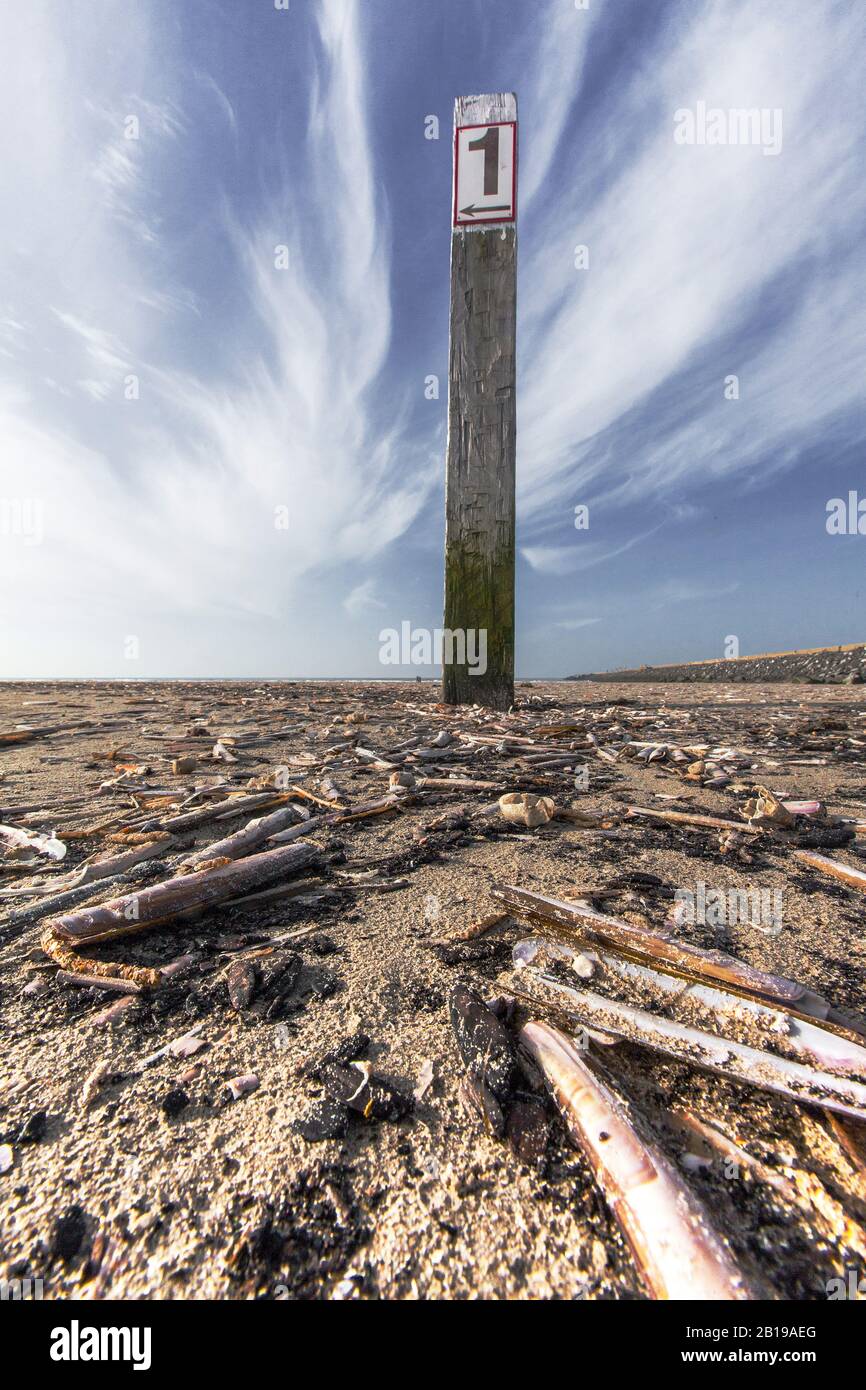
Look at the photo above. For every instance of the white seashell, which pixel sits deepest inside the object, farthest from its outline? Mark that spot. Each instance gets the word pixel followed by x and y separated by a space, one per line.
pixel 242 1085
pixel 522 808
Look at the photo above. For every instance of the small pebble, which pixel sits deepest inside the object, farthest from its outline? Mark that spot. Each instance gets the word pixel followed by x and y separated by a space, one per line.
pixel 69 1231
pixel 33 1127
pixel 175 1101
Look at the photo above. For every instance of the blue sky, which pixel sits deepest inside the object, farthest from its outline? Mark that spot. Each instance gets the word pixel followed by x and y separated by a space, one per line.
pixel 168 392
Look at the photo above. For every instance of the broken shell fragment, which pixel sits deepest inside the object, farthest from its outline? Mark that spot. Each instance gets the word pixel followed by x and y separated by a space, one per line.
pixel 764 808
pixel 522 808
pixel 238 1086
pixel 426 1077
pixel 97 1078
pixel 805 808
pixel 538 952
pixel 241 980
pixel 527 1130
pixel 488 1053
pixel 356 1085
pixel 18 842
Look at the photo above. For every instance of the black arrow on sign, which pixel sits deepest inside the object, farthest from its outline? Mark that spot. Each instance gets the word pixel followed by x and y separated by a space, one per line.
pixel 472 209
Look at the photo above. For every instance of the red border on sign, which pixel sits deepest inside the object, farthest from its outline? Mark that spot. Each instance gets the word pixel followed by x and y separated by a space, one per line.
pixel 473 222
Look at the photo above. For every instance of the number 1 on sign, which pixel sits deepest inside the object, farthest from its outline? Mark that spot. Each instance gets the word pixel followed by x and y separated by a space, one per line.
pixel 489 143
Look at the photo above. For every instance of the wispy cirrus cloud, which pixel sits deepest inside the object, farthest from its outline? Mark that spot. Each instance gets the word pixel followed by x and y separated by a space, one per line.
pixel 581 554
pixel 560 40
pixel 574 624
pixel 687 591
pixel 363 599
pixel 684 244
pixel 244 473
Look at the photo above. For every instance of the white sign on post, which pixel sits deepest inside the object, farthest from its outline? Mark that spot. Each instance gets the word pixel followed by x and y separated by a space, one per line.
pixel 485 173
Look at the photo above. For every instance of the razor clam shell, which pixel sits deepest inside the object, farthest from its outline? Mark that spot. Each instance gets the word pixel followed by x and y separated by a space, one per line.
pixel 675 1248
pixel 816 1045
pixel 732 1060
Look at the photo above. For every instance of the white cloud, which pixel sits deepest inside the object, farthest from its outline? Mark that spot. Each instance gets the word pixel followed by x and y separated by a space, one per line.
pixel 572 624
pixel 563 34
pixel 362 599
pixel 681 243
pixel 169 502
pixel 581 555
pixel 687 591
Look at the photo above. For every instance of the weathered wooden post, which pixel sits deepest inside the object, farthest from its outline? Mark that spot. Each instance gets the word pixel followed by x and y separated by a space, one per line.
pixel 478 651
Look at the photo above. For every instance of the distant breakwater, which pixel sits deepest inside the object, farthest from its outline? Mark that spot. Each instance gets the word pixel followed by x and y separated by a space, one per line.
pixel 820 666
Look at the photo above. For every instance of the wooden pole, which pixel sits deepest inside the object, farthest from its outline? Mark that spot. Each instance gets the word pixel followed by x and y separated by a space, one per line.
pixel 478 649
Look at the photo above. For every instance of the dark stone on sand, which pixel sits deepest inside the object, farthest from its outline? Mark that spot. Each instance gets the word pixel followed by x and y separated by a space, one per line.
pixel 69 1232
pixel 351 1049
pixel 369 1095
pixel 33 1128
pixel 321 945
pixel 325 1119
pixel 489 1054
pixel 175 1101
